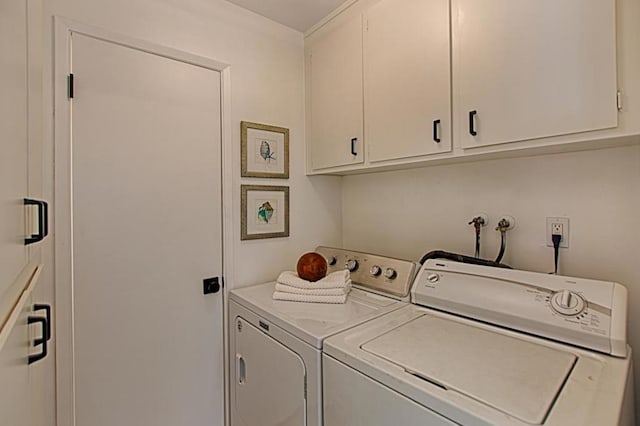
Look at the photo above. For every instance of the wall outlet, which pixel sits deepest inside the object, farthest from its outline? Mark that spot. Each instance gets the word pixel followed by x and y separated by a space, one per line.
pixel 558 225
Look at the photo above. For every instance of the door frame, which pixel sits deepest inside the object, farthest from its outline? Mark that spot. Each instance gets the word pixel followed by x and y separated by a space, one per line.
pixel 62 205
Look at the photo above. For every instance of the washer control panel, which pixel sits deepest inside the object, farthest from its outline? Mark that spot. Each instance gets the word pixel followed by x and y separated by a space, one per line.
pixel 386 275
pixel 567 302
pixel 582 312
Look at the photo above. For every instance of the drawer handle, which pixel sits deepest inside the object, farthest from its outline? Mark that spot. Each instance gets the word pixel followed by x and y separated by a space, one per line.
pixel 43 220
pixel 353 146
pixel 47 308
pixel 472 122
pixel 41 341
pixel 436 126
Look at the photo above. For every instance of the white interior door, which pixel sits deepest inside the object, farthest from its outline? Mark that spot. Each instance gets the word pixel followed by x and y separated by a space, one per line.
pixel 146 223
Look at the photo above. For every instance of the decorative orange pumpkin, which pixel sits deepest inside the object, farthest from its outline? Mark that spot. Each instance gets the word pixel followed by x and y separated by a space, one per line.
pixel 312 266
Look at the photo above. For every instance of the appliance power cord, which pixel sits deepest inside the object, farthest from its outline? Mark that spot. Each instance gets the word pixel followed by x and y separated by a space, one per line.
pixel 556 238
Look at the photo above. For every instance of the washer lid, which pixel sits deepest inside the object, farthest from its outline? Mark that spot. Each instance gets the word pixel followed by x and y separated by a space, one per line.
pixel 516 377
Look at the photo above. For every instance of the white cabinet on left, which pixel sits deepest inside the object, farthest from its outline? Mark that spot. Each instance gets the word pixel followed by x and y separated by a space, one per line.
pixel 14 137
pixel 26 389
pixel 24 342
pixel 20 135
pixel 14 371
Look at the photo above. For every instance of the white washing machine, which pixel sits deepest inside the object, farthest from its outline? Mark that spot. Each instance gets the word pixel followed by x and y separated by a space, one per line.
pixel 486 346
pixel 276 346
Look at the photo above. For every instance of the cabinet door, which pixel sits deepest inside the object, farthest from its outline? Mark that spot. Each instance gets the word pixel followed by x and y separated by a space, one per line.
pixel 42 373
pixel 13 136
pixel 407 79
pixel 532 69
pixel 336 125
pixel 15 407
pixel 35 57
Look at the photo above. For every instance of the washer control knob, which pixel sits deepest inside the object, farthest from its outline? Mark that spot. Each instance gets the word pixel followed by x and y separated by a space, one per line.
pixel 351 265
pixel 390 273
pixel 375 271
pixel 567 302
pixel 331 260
pixel 433 277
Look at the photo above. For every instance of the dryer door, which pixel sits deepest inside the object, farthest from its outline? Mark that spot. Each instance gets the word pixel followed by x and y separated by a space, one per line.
pixel 269 380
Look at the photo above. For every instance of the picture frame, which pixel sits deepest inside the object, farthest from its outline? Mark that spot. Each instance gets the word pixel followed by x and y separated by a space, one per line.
pixel 264 211
pixel 264 151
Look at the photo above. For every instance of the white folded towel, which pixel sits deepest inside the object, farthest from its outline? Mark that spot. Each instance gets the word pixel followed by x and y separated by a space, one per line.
pixel 309 298
pixel 337 279
pixel 338 291
pixel 333 288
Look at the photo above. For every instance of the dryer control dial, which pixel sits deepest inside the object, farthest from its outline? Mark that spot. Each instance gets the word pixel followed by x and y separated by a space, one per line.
pixel 331 260
pixel 390 273
pixel 567 302
pixel 351 265
pixel 375 271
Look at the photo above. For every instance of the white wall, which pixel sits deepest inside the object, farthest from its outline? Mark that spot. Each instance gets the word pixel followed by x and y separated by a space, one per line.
pixel 266 61
pixel 408 213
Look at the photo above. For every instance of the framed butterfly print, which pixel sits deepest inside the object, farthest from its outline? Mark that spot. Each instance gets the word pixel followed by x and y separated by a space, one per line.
pixel 265 151
pixel 265 212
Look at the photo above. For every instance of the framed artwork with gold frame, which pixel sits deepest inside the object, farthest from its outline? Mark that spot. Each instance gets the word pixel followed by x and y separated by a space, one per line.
pixel 264 212
pixel 264 151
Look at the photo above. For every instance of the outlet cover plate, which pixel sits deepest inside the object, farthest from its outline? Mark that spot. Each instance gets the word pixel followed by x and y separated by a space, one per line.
pixel 565 230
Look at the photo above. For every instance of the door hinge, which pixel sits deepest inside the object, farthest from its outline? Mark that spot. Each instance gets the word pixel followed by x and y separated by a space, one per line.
pixel 70 86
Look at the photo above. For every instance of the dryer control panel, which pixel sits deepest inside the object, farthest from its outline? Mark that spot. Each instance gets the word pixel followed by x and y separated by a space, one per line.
pixel 386 275
pixel 587 313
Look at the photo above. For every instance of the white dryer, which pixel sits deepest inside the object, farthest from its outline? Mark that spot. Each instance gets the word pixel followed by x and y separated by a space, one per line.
pixel 276 346
pixel 486 346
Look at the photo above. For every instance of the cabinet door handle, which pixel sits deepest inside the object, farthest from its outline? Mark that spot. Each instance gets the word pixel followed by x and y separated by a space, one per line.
pixel 472 122
pixel 436 136
pixel 43 220
pixel 40 341
pixel 47 308
pixel 353 146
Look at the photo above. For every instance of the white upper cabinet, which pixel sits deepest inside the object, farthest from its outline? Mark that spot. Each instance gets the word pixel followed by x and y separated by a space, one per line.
pixel 335 91
pixel 532 69
pixel 407 79
pixel 446 80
